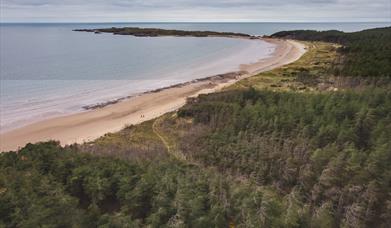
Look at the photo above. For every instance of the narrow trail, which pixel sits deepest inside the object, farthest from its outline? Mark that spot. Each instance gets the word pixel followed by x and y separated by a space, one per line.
pixel 176 154
pixel 181 157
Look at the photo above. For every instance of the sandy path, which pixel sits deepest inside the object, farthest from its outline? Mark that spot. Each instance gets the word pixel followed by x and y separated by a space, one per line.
pixel 87 126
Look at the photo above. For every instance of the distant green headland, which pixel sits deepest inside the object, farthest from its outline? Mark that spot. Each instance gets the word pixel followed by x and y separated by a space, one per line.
pixel 154 32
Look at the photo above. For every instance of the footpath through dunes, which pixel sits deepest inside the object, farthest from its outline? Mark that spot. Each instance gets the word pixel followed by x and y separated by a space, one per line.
pixel 90 125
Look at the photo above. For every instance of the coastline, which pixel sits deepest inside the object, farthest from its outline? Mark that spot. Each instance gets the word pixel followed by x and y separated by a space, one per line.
pixel 224 76
pixel 115 115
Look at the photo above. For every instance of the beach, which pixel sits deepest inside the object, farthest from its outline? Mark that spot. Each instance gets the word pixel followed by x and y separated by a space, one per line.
pixel 89 125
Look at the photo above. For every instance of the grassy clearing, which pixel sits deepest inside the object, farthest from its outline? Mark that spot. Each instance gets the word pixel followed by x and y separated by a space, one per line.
pixel 132 141
pixel 171 129
pixel 302 75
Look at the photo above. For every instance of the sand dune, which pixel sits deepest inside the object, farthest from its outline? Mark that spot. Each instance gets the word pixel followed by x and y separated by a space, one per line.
pixel 89 125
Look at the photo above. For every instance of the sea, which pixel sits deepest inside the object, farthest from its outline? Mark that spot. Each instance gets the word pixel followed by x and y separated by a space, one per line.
pixel 49 70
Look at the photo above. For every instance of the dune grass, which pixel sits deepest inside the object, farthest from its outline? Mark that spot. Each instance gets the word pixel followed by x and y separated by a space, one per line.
pixel 301 75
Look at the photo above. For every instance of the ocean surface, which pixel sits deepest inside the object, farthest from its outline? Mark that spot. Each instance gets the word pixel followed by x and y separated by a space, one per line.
pixel 48 70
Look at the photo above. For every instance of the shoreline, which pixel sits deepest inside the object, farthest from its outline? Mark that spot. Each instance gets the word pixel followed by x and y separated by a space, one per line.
pixel 113 116
pixel 230 75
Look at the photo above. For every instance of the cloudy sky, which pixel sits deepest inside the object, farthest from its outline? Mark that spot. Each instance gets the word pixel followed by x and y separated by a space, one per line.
pixel 194 10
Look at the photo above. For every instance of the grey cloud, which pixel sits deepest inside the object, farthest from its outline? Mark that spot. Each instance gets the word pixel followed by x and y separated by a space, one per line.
pixel 186 10
pixel 168 3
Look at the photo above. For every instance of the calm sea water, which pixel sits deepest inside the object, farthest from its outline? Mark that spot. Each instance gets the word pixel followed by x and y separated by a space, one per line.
pixel 48 70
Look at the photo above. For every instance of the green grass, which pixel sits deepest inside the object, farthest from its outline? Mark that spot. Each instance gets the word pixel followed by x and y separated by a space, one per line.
pixel 301 75
pixel 171 129
pixel 132 141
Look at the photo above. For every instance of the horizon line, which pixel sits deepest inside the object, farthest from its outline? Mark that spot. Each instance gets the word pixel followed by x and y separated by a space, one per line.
pixel 115 22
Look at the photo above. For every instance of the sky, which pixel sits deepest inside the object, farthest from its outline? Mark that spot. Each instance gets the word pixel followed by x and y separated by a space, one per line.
pixel 195 10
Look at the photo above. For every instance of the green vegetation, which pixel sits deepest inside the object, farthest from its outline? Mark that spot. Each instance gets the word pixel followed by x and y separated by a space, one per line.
pixel 306 74
pixel 44 185
pixel 299 146
pixel 133 142
pixel 366 53
pixel 153 32
pixel 329 149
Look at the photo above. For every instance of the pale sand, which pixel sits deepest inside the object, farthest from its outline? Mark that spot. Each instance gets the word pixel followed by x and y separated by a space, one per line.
pixel 89 125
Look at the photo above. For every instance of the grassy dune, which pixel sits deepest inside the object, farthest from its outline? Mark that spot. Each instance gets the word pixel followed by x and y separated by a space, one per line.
pixel 302 75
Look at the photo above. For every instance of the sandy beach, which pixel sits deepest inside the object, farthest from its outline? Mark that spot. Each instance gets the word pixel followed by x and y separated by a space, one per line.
pixel 89 125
